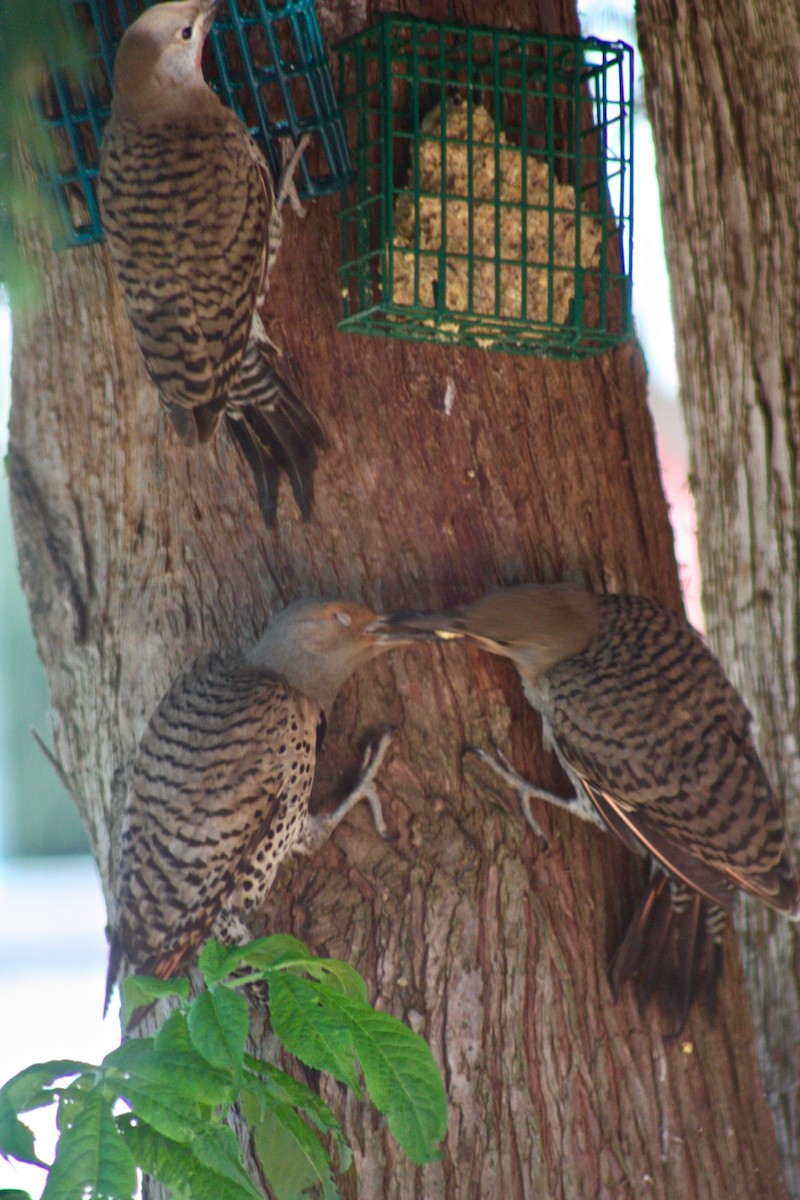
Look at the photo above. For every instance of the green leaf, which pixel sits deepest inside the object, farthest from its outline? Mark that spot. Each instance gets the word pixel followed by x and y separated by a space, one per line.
pixel 176 1166
pixel 31 1087
pixel 293 1158
pixel 401 1075
pixel 317 1035
pixel 339 976
pixel 14 1194
pixel 16 1139
pixel 217 960
pixel 25 1091
pixel 269 1086
pixel 69 1106
pixel 173 1035
pixel 271 1082
pixel 218 1149
pixel 184 1070
pixel 273 950
pixel 218 1023
pixel 25 30
pixel 92 1159
pixel 170 1090
pixel 158 1156
pixel 141 990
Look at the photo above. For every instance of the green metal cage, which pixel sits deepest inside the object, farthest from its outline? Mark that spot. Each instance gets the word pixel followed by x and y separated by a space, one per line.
pixel 267 60
pixel 493 186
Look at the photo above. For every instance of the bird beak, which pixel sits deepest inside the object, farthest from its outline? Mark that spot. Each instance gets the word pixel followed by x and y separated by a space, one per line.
pixel 410 626
pixel 384 633
pixel 209 9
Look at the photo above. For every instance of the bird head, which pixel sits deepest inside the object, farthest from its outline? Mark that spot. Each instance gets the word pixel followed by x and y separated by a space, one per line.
pixel 158 64
pixel 536 626
pixel 315 645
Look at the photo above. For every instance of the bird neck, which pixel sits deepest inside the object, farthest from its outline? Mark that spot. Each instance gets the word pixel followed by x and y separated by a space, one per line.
pixel 315 675
pixel 537 690
pixel 163 102
pixel 533 662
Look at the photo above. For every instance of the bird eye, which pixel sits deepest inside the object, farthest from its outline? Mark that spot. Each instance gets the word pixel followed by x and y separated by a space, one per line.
pixel 344 619
pixel 186 33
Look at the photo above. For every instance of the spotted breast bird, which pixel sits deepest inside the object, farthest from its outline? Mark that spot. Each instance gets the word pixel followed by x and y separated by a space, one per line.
pixel 220 785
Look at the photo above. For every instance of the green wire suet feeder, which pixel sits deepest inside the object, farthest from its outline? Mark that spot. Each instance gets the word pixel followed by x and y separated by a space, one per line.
pixel 269 64
pixel 491 204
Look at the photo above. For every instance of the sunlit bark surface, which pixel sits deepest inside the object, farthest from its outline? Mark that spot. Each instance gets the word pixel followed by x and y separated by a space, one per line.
pixel 724 95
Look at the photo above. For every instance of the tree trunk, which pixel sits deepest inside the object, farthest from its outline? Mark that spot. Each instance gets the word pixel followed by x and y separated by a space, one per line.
pixel 724 97
pixel 137 555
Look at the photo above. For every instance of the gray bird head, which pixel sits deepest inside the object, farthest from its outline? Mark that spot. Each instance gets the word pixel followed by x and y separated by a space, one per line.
pixel 158 67
pixel 536 626
pixel 315 645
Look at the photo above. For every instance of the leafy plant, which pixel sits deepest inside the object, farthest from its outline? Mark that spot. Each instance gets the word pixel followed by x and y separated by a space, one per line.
pixel 159 1104
pixel 26 30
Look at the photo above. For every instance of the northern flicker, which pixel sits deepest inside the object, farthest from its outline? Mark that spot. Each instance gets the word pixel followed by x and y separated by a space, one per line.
pixel 657 744
pixel 193 226
pixel 219 789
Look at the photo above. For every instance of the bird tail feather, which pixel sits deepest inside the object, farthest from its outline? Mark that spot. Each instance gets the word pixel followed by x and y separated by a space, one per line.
pixel 672 950
pixel 274 430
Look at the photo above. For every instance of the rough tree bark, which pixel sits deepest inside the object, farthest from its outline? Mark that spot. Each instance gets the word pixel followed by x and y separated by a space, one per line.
pixel 724 95
pixel 137 555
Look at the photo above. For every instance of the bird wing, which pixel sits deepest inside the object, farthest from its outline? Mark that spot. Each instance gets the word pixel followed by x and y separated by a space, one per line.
pixel 651 726
pixel 186 217
pixel 220 248
pixel 637 832
pixel 178 359
pixel 225 756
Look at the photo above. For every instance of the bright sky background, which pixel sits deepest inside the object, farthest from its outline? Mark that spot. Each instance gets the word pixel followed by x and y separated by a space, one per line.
pixel 52 945
pixel 5 370
pixel 52 967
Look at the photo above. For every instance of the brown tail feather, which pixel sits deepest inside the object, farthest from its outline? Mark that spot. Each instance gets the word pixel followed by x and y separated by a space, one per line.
pixel 672 951
pixel 261 463
pixel 281 433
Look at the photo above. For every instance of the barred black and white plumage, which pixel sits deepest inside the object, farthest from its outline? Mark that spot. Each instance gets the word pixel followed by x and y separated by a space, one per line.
pixel 658 745
pixel 193 227
pixel 646 720
pixel 219 789
pixel 218 795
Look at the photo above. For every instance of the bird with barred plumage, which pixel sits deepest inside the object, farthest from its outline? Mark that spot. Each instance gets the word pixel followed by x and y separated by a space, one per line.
pixel 219 789
pixel 194 225
pixel 657 745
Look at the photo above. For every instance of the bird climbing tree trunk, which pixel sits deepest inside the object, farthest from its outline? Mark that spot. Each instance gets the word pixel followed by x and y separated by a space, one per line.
pixel 137 555
pixel 722 89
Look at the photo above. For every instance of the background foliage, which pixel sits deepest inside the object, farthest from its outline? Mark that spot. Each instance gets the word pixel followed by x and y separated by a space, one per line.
pixel 159 1104
pixel 37 817
pixel 25 31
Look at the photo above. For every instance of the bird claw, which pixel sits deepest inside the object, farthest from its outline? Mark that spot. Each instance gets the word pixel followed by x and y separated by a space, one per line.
pixel 578 805
pixel 524 789
pixel 287 189
pixel 319 828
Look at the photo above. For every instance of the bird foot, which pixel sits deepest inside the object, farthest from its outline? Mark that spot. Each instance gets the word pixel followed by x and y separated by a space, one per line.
pixel 287 189
pixel 578 806
pixel 319 828
pixel 525 790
